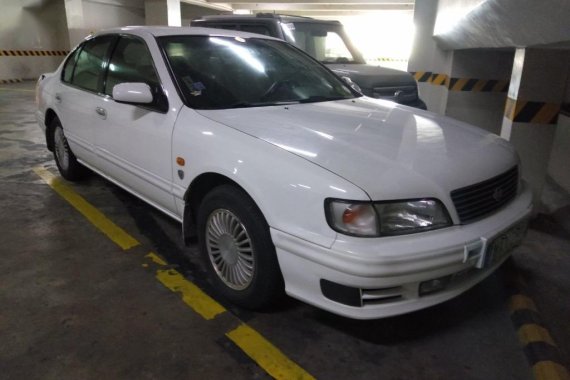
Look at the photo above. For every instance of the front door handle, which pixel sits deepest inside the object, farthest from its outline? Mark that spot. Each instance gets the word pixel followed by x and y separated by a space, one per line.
pixel 101 112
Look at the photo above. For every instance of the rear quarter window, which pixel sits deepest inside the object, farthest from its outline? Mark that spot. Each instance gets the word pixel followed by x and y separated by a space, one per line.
pixel 69 66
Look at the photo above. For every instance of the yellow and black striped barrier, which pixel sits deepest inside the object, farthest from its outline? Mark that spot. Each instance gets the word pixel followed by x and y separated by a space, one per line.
pixel 478 85
pixel 388 59
pixel 10 81
pixel 422 76
pixel 461 84
pixel 32 53
pixel 523 111
pixel 538 345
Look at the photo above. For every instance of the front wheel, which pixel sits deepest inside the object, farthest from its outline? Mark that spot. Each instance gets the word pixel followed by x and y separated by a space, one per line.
pixel 237 249
pixel 65 160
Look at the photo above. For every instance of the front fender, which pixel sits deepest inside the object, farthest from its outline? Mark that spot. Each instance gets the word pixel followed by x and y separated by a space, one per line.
pixel 289 190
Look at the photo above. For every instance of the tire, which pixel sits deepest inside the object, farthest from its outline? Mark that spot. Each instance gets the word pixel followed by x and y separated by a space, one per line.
pixel 65 160
pixel 237 249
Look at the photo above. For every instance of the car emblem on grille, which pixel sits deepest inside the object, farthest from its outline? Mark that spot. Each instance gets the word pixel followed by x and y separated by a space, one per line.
pixel 498 194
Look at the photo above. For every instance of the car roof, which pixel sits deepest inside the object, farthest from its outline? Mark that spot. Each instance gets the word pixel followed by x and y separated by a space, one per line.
pixel 264 17
pixel 159 31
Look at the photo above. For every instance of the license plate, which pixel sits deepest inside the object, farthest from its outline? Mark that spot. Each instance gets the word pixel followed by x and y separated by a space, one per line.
pixel 504 243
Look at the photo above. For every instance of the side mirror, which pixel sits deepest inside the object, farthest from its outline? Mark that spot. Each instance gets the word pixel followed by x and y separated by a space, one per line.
pixel 351 84
pixel 132 93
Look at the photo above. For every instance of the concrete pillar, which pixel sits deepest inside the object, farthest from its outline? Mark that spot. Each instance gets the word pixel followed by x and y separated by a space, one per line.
pixel 430 64
pixel 163 12
pixel 535 95
pixel 75 21
pixel 478 85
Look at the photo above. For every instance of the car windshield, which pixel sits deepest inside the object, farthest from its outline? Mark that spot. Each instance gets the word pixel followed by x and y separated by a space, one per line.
pixel 326 43
pixel 214 72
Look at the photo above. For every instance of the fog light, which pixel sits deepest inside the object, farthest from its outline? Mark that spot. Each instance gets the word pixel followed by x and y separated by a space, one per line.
pixel 435 285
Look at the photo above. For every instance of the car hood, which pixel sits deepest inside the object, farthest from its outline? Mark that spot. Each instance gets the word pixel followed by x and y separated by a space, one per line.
pixel 388 150
pixel 368 76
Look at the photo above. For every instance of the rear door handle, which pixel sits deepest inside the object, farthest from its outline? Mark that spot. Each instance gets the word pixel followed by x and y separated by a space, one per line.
pixel 101 112
pixel 58 98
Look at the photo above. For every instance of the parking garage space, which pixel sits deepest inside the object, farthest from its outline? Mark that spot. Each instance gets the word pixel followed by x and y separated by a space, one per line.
pixel 96 282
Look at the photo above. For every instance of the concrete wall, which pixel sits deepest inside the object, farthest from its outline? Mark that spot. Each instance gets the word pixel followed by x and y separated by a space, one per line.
pixel 103 14
pixel 465 24
pixel 559 165
pixel 191 12
pixel 484 109
pixel 426 56
pixel 31 25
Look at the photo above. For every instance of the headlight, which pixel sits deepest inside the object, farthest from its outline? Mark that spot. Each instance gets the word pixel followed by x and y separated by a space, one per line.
pixel 373 219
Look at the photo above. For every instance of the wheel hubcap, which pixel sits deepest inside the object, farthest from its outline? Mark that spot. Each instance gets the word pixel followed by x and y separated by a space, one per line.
pixel 61 152
pixel 230 250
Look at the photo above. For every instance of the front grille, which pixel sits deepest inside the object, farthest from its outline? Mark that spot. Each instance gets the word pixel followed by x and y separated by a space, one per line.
pixel 483 198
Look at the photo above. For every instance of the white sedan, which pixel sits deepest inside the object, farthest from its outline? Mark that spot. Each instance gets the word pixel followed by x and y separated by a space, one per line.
pixel 291 180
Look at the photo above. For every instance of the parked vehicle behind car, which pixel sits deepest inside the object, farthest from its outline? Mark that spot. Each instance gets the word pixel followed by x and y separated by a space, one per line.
pixel 291 180
pixel 327 42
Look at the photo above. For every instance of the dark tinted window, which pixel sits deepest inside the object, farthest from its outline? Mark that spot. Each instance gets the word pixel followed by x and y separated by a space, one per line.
pixel 227 72
pixel 90 65
pixel 259 29
pixel 70 65
pixel 222 26
pixel 131 62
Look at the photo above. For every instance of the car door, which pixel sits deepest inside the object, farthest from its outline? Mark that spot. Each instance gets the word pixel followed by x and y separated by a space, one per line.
pixel 77 96
pixel 134 141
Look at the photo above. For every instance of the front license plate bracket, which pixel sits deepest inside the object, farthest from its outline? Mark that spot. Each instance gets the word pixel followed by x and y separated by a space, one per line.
pixel 498 247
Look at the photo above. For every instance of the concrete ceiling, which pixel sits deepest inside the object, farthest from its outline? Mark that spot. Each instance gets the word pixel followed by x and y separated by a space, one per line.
pixel 307 7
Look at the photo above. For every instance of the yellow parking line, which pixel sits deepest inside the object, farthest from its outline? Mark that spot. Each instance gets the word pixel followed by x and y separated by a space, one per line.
pixel 113 232
pixel 192 295
pixel 273 361
pixel 549 370
pixel 266 355
pixel 156 259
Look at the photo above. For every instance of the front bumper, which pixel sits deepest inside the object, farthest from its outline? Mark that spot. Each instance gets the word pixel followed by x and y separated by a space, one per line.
pixel 388 271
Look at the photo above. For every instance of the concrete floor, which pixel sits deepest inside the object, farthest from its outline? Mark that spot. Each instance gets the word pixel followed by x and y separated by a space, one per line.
pixel 73 305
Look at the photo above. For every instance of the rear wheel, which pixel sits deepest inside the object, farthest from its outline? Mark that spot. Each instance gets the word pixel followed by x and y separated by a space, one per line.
pixel 65 160
pixel 237 249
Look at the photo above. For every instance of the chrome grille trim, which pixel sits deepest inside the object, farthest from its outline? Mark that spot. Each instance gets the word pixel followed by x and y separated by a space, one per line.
pixel 481 199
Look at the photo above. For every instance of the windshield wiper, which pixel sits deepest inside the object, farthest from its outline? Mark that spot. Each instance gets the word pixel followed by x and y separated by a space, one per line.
pixel 260 104
pixel 320 98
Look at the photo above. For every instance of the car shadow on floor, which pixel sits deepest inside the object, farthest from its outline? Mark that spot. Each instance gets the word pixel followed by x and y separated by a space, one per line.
pixel 164 236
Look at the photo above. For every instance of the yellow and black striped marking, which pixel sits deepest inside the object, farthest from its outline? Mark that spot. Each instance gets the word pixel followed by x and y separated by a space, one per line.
pixel 478 85
pixel 422 76
pixel 10 81
pixel 523 111
pixel 32 53
pixel 252 343
pixel 539 346
pixel 461 84
pixel 439 79
pixel 388 59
